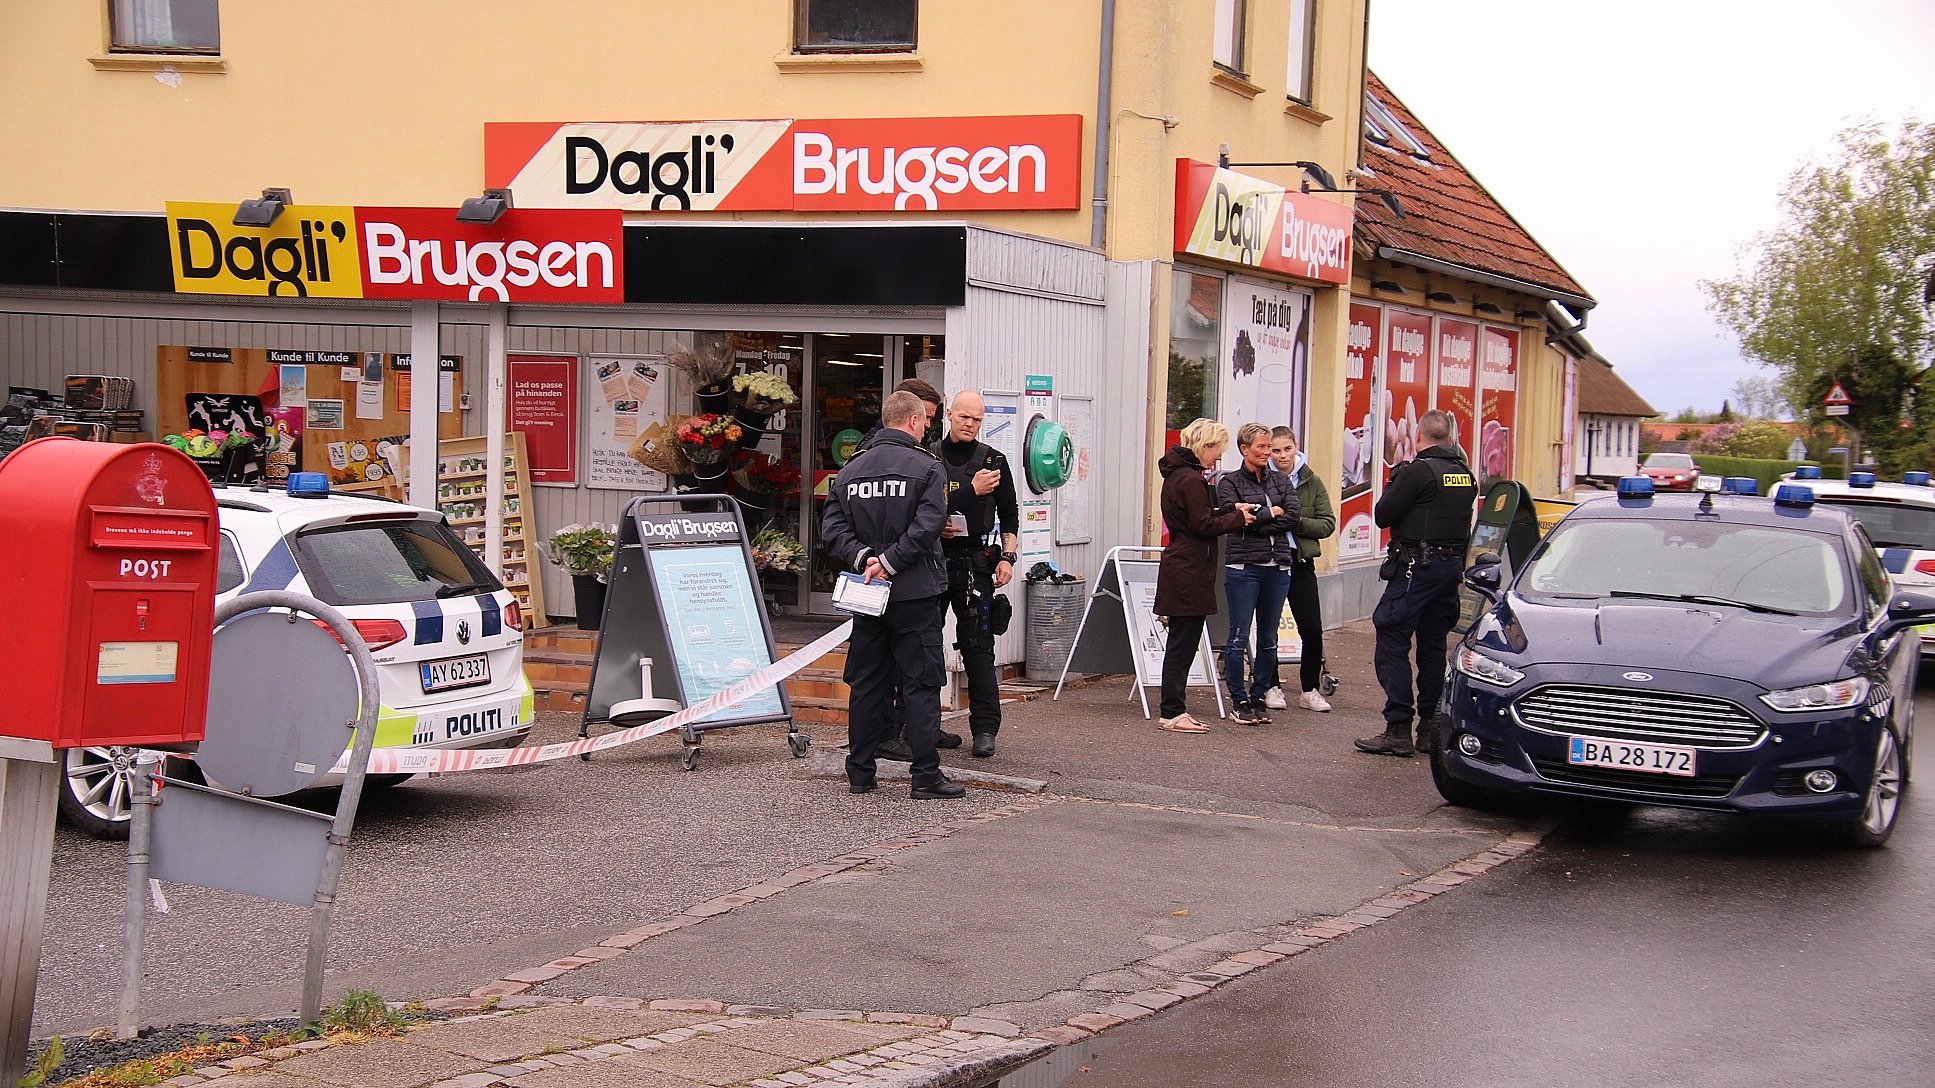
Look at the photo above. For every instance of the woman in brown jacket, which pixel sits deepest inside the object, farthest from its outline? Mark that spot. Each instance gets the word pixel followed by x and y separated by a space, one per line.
pixel 1186 578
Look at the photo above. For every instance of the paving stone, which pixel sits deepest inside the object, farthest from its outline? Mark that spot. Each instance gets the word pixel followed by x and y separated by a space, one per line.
pixel 280 1052
pixel 262 1078
pixel 1258 957
pixel 1095 1021
pixel 829 1014
pixel 628 1003
pixel 1153 999
pixel 710 1061
pixel 982 1025
pixel 917 1018
pixel 534 1001
pixel 211 1072
pixel 758 1010
pixel 803 1040
pixel 1185 988
pixel 1125 1011
pixel 688 1006
pixel 535 975
pixel 597 953
pixel 611 1074
pixel 500 989
pixel 469 1080
pixel 314 1044
pixel 394 1063
pixel 247 1061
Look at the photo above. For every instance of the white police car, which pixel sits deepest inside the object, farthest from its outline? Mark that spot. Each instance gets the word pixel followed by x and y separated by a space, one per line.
pixel 447 636
pixel 1900 517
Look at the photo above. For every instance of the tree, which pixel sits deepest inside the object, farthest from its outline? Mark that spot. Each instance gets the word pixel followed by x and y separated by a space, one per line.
pixel 1754 438
pixel 1846 271
pixel 1760 397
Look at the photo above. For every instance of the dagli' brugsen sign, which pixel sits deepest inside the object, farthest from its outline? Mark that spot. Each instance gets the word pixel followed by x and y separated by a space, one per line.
pixel 399 253
pixel 1244 220
pixel 945 164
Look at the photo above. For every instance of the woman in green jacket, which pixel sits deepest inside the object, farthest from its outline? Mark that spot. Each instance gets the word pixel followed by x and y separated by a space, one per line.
pixel 1319 520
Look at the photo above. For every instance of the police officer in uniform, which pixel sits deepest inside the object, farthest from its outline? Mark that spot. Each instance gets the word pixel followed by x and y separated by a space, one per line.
pixel 884 513
pixel 981 488
pixel 1427 505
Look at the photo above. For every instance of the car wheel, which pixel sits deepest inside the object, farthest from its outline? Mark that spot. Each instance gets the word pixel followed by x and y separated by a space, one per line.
pixel 97 790
pixel 1459 792
pixel 1882 807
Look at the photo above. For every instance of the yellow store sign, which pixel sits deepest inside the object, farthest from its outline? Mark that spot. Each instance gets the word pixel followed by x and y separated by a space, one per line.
pixel 308 252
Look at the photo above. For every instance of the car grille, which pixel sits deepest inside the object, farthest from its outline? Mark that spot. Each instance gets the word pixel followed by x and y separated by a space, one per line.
pixel 1651 716
pixel 1658 784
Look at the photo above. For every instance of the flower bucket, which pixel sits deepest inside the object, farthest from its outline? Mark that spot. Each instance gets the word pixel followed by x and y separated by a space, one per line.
pixel 716 397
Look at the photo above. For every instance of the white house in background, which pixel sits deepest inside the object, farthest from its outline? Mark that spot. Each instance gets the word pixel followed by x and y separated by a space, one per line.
pixel 1606 437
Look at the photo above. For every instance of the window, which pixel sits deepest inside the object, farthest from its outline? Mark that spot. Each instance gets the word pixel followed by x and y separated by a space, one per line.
pixel 1303 43
pixel 1384 129
pixel 389 562
pixel 1195 344
pixel 228 566
pixel 854 26
pixel 165 26
pixel 1231 18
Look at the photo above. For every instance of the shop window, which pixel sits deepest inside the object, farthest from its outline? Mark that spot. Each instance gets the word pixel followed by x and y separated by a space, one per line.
pixel 1195 336
pixel 1303 46
pixel 165 26
pixel 854 26
pixel 1232 17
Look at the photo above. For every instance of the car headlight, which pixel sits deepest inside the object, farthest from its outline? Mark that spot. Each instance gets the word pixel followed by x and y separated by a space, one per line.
pixel 1835 695
pixel 1490 670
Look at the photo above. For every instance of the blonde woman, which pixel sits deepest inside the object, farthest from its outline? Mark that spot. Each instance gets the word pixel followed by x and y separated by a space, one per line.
pixel 1186 578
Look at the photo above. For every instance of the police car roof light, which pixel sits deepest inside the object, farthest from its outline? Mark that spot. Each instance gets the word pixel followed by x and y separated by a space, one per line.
pixel 1861 479
pixel 1915 479
pixel 1635 487
pixel 1793 495
pixel 308 485
pixel 1743 485
pixel 1807 472
pixel 1710 484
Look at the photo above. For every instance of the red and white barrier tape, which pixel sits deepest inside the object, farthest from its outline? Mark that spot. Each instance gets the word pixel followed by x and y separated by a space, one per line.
pixel 451 760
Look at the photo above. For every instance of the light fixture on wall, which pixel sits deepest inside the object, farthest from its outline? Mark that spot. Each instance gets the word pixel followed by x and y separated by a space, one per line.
pixel 1389 287
pixel 262 211
pixel 1441 296
pixel 1324 181
pixel 1491 308
pixel 488 208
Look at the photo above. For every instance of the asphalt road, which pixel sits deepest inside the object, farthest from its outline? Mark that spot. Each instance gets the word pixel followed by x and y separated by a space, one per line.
pixel 1654 947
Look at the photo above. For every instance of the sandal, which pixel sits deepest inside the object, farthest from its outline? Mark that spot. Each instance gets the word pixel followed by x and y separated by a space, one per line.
pixel 1182 723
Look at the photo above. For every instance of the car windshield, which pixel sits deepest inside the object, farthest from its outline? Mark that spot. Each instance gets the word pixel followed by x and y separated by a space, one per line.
pixel 1892 524
pixel 1669 460
pixel 389 562
pixel 1705 562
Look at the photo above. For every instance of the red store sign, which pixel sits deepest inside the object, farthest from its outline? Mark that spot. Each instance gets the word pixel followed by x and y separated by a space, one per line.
pixel 1237 218
pixel 526 256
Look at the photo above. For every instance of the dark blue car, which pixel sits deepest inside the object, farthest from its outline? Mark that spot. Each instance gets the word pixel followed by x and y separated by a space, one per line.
pixel 1718 652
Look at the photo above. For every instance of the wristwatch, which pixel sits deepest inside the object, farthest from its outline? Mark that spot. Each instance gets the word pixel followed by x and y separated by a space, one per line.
pixel 1010 558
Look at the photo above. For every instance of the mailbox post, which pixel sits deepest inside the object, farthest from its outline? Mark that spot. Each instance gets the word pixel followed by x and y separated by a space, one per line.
pixel 110 552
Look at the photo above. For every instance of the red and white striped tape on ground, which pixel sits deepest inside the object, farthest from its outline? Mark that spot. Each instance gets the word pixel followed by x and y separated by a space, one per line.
pixel 447 760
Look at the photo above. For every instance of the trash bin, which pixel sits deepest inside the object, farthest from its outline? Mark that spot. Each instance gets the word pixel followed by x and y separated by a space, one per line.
pixel 1053 613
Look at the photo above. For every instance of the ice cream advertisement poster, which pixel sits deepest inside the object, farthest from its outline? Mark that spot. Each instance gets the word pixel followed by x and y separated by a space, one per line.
pixel 1357 535
pixel 1406 393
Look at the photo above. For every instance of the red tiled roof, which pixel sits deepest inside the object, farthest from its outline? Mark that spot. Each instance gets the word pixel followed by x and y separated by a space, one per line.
pixel 1604 393
pixel 1448 215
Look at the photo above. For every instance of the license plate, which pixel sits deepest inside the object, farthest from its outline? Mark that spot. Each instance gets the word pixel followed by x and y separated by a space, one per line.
pixel 455 672
pixel 1625 755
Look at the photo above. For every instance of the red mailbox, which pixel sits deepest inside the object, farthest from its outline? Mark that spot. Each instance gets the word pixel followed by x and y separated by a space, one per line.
pixel 111 551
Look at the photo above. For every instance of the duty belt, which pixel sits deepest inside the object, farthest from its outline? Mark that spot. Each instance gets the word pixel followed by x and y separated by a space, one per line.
pixel 1434 551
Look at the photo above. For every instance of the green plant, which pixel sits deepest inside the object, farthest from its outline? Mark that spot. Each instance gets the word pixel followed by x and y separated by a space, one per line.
pixel 583 549
pixel 362 1012
pixel 45 1065
pixel 775 550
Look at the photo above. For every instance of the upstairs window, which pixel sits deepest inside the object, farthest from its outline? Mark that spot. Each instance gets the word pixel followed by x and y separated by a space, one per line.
pixel 1303 44
pixel 1384 129
pixel 165 26
pixel 1232 18
pixel 855 26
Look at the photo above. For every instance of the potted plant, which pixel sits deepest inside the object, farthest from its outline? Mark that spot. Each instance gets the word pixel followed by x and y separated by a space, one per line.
pixel 585 552
pixel 708 365
pixel 776 552
pixel 759 395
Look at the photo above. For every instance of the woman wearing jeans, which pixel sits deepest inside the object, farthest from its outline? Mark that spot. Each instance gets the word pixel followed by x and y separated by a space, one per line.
pixel 1256 575
pixel 1318 521
pixel 1185 590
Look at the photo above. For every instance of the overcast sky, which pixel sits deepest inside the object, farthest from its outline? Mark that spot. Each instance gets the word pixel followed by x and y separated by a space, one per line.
pixel 1643 143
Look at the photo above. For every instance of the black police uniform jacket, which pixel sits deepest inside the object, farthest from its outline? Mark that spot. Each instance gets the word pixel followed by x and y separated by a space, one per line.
pixel 1429 500
pixel 985 513
pixel 890 501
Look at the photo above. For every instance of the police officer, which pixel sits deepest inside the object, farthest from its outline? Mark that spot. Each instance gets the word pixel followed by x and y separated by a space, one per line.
pixel 981 489
pixel 884 513
pixel 1427 505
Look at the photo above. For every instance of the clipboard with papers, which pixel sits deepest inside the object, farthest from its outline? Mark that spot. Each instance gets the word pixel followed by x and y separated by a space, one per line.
pixel 855 595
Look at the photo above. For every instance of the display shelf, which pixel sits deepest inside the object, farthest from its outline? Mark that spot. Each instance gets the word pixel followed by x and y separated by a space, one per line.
pixel 460 472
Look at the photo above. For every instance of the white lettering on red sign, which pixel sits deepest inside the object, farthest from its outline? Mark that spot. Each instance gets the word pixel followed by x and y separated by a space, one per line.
pixel 1313 246
pixel 487 269
pixel 916 174
pixel 146 568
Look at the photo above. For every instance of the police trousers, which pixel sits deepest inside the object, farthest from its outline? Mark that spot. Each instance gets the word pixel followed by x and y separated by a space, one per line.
pixel 970 592
pixel 1420 607
pixel 902 649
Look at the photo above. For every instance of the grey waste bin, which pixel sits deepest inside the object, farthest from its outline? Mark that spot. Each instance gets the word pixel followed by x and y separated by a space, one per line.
pixel 1053 613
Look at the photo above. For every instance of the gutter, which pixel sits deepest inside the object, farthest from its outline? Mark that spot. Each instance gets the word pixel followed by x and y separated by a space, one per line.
pixel 1577 303
pixel 1103 117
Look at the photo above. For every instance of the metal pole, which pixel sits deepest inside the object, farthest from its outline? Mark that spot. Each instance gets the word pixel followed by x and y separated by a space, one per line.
pixel 140 826
pixel 29 777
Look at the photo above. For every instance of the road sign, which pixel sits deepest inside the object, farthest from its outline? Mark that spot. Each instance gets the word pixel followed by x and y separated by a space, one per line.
pixel 1837 395
pixel 1837 409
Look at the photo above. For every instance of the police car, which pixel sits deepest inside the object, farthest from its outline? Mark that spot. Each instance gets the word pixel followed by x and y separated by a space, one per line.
pixel 1899 517
pixel 1705 651
pixel 446 635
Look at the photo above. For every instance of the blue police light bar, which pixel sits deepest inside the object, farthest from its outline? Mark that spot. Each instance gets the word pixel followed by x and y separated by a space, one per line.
pixel 308 485
pixel 1915 479
pixel 1861 479
pixel 1807 472
pixel 1635 487
pixel 1793 495
pixel 1740 485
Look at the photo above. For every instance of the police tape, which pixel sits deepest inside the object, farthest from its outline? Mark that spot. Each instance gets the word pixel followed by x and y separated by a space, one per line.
pixel 454 760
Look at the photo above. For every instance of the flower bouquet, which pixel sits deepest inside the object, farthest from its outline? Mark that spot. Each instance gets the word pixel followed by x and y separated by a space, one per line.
pixel 774 551
pixel 707 438
pixel 583 549
pixel 708 365
pixel 762 475
pixel 762 393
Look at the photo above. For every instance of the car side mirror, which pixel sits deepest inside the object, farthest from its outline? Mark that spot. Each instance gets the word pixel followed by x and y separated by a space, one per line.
pixel 1908 608
pixel 1483 575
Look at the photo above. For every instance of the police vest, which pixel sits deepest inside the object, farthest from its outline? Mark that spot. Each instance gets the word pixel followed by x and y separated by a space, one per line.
pixel 1446 518
pixel 978 508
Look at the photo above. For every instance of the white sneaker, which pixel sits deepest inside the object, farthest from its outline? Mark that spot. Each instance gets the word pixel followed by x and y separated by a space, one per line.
pixel 1314 700
pixel 1274 699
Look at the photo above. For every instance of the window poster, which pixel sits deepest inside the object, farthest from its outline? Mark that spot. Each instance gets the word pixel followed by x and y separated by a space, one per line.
pixel 1498 404
pixel 1075 500
pixel 1454 380
pixel 627 398
pixel 1357 535
pixel 1264 374
pixel 544 405
pixel 1405 396
pixel 711 609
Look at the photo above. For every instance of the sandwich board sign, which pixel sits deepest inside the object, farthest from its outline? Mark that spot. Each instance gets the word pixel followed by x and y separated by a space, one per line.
pixel 1119 632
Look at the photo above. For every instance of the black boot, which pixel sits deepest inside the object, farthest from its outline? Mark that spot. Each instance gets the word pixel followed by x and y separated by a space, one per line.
pixel 1388 744
pixel 895 749
pixel 1427 734
pixel 983 745
pixel 948 740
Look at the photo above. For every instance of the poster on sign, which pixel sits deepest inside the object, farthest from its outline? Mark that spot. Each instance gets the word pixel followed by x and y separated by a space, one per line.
pixel 1406 394
pixel 544 405
pixel 628 400
pixel 1498 382
pixel 1265 365
pixel 1455 380
pixel 1356 535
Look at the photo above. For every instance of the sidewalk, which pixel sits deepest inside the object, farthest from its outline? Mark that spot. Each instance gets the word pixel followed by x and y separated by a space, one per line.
pixel 1153 868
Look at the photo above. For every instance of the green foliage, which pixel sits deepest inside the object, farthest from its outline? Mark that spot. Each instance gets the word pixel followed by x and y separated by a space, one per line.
pixel 1187 391
pixel 362 1012
pixel 1845 272
pixel 1688 414
pixel 1754 438
pixel 49 1061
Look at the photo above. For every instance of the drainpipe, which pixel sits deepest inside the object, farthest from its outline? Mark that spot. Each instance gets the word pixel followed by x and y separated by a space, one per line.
pixel 1102 126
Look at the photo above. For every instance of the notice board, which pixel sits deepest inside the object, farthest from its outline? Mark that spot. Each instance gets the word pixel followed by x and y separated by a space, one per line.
pixel 544 406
